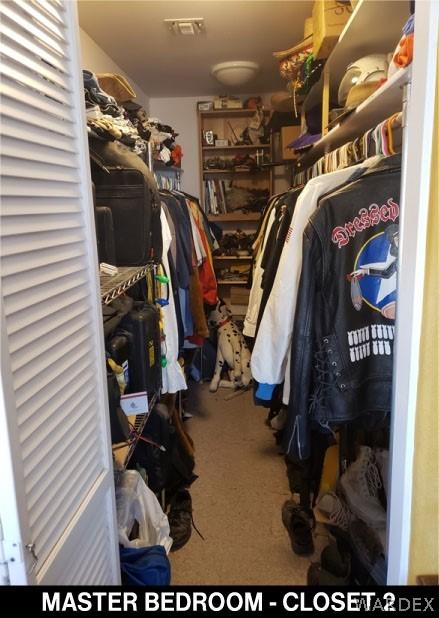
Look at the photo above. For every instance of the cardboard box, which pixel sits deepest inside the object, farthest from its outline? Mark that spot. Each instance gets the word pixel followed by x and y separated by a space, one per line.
pixel 239 295
pixel 287 135
pixel 227 103
pixel 329 18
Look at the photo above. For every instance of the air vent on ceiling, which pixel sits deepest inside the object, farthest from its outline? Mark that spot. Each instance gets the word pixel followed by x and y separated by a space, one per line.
pixel 186 26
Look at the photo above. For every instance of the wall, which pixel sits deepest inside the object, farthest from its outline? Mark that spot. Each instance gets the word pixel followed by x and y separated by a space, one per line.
pixel 95 59
pixel 181 114
pixel 424 546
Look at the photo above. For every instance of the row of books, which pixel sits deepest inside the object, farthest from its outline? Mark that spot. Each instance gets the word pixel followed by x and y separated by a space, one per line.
pixel 215 192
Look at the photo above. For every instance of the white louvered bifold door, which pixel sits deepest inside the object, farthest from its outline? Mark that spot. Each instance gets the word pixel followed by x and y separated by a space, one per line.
pixel 56 489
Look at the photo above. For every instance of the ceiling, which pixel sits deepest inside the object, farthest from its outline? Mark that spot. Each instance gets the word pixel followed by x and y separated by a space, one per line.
pixel 166 65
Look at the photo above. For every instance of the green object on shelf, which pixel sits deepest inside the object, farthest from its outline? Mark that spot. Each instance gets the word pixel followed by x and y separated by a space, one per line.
pixel 161 278
pixel 163 362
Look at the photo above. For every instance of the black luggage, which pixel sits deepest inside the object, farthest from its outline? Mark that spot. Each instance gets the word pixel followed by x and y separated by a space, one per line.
pixel 143 328
pixel 105 235
pixel 119 427
pixel 128 196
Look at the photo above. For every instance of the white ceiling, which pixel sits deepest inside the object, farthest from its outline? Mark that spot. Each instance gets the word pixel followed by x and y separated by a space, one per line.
pixel 163 64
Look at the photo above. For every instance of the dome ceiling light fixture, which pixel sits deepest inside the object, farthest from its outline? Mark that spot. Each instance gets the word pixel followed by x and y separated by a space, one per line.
pixel 235 72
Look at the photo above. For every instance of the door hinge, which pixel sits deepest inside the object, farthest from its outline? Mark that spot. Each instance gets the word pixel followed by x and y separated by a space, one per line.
pixel 10 551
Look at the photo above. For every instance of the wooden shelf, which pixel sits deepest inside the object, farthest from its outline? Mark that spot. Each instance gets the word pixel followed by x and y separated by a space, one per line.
pixel 380 105
pixel 373 28
pixel 230 172
pixel 236 147
pixel 235 216
pixel 232 257
pixel 231 282
pixel 231 113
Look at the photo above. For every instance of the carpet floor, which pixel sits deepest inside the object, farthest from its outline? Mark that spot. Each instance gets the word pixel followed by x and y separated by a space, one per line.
pixel 237 498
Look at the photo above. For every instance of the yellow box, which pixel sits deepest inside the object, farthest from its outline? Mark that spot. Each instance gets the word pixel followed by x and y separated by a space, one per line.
pixel 329 18
pixel 287 135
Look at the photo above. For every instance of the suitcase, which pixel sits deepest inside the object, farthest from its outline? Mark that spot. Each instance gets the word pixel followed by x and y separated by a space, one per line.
pixel 105 235
pixel 119 427
pixel 143 328
pixel 130 199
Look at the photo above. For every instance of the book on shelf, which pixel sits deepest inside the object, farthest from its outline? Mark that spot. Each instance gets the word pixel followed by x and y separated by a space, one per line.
pixel 215 192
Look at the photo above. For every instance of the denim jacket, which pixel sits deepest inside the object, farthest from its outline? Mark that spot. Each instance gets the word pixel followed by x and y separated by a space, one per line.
pixel 342 348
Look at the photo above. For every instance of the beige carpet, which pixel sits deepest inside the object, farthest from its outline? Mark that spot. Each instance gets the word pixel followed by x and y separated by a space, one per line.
pixel 237 498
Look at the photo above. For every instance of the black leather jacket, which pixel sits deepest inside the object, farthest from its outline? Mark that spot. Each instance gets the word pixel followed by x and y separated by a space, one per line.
pixel 342 346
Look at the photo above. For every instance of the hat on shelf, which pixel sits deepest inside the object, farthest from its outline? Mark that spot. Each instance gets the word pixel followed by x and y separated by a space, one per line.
pixel 116 86
pixel 311 129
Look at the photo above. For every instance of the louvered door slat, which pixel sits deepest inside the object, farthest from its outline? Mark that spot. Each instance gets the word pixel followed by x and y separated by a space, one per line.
pixel 48 23
pixel 22 94
pixel 22 22
pixel 24 206
pixel 10 33
pixel 50 9
pixel 21 57
pixel 12 265
pixel 52 324
pixel 34 410
pixel 55 425
pixel 38 136
pixel 33 80
pixel 19 340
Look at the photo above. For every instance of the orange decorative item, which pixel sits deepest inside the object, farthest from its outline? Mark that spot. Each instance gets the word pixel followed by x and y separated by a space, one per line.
pixel 177 155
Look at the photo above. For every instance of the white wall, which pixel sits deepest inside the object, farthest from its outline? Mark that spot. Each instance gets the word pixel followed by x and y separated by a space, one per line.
pixel 181 114
pixel 95 59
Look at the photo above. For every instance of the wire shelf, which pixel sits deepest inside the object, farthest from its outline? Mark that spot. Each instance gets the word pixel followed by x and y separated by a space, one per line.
pixel 112 286
pixel 123 452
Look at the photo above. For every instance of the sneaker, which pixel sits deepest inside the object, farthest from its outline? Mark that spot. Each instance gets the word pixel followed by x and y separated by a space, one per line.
pixel 299 523
pixel 382 459
pixel 366 543
pixel 360 485
pixel 334 510
pixel 279 421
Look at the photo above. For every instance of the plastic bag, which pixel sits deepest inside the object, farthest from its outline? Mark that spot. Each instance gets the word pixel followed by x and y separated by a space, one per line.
pixel 136 502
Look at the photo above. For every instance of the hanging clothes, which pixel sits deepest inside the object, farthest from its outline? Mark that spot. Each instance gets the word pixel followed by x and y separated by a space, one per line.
pixel 272 345
pixel 173 379
pixel 342 348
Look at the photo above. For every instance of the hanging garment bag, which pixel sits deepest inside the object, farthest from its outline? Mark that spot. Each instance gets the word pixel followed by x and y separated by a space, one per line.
pixel 125 192
pixel 142 327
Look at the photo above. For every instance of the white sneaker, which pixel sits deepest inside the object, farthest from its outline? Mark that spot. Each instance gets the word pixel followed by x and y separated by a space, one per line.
pixel 334 510
pixel 360 484
pixel 382 459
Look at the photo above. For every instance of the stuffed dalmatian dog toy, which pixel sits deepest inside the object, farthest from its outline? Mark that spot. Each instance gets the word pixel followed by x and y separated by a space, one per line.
pixel 231 348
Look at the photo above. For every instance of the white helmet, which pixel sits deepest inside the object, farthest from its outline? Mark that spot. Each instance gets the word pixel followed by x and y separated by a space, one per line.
pixel 366 69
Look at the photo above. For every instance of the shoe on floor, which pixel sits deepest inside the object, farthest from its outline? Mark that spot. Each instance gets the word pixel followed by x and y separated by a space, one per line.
pixel 317 576
pixel 382 459
pixel 180 519
pixel 299 523
pixel 334 510
pixel 336 562
pixel 360 485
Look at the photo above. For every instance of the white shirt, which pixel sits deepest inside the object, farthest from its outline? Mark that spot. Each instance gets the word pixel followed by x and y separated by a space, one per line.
pixel 172 375
pixel 254 301
pixel 273 342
